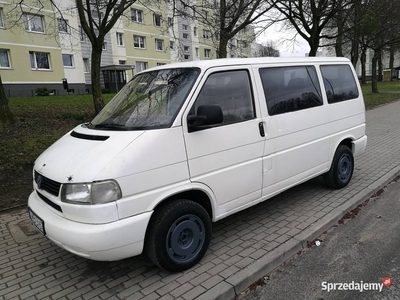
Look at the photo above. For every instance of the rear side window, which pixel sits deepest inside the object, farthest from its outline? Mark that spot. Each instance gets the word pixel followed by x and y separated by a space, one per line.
pixel 232 92
pixel 339 83
pixel 290 89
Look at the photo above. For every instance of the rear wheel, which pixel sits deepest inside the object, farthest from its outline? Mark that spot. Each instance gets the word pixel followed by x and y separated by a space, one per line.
pixel 341 169
pixel 179 235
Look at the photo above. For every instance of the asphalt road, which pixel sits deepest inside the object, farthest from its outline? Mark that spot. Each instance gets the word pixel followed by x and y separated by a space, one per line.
pixel 362 248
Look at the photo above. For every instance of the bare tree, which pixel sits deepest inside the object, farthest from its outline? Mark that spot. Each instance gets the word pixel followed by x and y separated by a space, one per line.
pixel 380 29
pixel 311 17
pixel 224 18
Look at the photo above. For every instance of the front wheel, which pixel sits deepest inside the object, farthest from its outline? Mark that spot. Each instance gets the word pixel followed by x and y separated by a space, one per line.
pixel 341 169
pixel 179 235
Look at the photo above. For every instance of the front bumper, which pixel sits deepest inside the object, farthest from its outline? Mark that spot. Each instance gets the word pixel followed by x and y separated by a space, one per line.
pixel 105 242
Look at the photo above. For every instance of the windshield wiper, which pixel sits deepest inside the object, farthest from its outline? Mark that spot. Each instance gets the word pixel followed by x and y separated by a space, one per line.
pixel 110 126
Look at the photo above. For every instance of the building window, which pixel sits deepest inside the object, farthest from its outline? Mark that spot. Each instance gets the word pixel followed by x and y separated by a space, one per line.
pixel 122 62
pixel 137 15
pixel 33 23
pixel 86 65
pixel 68 60
pixel 186 48
pixel 120 39
pixel 185 27
pixel 62 25
pixel 39 60
pixel 157 20
pixel 205 14
pixel 82 35
pixel 140 66
pixel 206 34
pixel 105 46
pixel 207 53
pixel 160 64
pixel 138 41
pixel 1 18
pixel 185 36
pixel 4 59
pixel 171 45
pixel 170 22
pixel 197 52
pixel 186 57
pixel 195 31
pixel 159 45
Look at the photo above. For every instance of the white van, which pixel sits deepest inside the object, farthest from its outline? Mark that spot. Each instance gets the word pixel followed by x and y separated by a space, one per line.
pixel 187 144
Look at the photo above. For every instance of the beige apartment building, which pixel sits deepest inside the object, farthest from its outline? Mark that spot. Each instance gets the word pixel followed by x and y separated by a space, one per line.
pixel 47 46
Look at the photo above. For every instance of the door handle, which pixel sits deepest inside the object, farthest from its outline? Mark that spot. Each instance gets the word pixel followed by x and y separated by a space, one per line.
pixel 261 128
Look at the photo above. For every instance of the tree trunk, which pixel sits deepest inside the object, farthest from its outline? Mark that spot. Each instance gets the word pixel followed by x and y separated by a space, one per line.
pixel 339 39
pixel 375 59
pixel 380 67
pixel 314 44
pixel 6 116
pixel 223 44
pixel 354 52
pixel 391 62
pixel 95 75
pixel 363 66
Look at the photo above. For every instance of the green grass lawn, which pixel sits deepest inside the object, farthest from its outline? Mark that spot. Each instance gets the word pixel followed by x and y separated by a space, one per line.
pixel 43 120
pixel 388 92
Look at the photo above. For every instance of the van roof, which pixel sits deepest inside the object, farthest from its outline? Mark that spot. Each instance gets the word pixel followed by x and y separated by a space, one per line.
pixel 205 64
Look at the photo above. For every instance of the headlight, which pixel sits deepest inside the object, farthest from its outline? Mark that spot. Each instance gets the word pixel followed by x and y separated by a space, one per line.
pixel 91 193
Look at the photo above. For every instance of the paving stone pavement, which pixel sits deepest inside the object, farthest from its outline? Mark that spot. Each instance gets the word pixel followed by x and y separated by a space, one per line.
pixel 35 268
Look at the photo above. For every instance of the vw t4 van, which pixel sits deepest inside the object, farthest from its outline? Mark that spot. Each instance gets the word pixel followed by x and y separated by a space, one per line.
pixel 187 144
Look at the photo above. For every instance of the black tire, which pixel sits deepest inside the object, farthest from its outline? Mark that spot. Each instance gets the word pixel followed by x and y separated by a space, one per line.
pixel 179 235
pixel 341 169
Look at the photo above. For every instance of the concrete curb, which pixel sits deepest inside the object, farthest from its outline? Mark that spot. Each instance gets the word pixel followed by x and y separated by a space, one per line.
pixel 240 281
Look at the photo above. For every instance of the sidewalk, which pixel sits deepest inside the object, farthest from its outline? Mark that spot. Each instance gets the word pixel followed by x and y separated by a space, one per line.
pixel 243 248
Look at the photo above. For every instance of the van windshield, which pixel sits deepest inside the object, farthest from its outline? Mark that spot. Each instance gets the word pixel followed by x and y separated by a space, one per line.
pixel 150 100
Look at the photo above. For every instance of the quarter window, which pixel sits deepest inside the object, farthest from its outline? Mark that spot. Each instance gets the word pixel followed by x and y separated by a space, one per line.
pixel 33 23
pixel 39 60
pixel 339 83
pixel 232 92
pixel 290 89
pixel 4 59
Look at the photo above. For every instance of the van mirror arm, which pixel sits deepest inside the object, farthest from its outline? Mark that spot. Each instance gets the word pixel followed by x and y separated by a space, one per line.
pixel 196 123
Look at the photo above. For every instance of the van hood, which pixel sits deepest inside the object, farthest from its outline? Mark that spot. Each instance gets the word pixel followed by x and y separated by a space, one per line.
pixel 82 153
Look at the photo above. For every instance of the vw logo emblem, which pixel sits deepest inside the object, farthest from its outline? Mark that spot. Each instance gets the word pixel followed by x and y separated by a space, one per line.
pixel 39 180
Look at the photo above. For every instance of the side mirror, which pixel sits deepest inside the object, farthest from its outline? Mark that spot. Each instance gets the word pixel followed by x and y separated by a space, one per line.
pixel 207 115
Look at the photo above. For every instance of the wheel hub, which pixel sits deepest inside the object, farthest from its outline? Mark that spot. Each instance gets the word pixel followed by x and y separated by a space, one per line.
pixel 185 238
